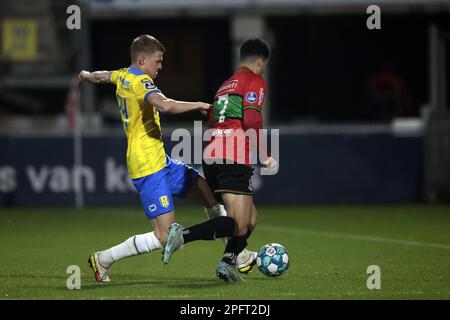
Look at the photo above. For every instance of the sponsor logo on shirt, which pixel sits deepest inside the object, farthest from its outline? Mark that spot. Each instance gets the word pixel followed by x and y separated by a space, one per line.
pixel 228 86
pixel 222 132
pixel 261 96
pixel 251 97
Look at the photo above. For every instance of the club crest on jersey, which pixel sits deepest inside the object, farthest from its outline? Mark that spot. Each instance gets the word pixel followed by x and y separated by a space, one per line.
pixel 164 200
pixel 148 84
pixel 152 207
pixel 251 97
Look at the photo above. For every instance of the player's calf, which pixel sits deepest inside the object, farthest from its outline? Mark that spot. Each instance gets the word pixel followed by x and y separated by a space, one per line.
pixel 235 245
pixel 218 227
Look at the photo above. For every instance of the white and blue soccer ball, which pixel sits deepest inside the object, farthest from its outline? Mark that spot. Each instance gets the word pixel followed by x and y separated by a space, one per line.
pixel 272 259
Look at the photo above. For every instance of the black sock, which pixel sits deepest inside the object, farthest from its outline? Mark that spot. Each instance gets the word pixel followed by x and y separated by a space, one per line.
pixel 235 245
pixel 218 227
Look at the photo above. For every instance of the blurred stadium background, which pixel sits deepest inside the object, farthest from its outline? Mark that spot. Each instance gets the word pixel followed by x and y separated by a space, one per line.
pixel 363 114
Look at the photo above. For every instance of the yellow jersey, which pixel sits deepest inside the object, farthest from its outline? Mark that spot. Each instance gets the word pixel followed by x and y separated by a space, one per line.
pixel 145 149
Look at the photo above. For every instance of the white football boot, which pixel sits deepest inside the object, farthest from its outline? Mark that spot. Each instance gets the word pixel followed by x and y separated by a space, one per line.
pixel 246 260
pixel 100 272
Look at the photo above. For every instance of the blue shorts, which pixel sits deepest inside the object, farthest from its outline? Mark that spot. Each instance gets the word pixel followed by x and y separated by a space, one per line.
pixel 156 190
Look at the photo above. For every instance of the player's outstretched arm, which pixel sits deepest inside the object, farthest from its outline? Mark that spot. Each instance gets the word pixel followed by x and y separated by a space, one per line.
pixel 94 77
pixel 169 106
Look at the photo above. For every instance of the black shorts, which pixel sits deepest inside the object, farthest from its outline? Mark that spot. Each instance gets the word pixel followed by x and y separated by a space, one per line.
pixel 228 178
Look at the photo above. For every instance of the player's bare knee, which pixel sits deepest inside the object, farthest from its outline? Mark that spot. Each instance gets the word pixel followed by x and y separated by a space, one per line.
pixel 230 212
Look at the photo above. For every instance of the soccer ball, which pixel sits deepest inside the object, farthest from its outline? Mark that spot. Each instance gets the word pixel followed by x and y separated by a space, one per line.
pixel 272 259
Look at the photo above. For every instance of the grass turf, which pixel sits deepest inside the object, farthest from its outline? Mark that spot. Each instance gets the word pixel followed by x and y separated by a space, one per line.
pixel 330 249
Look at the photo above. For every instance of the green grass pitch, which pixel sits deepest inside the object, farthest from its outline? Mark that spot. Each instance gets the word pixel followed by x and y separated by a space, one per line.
pixel 330 249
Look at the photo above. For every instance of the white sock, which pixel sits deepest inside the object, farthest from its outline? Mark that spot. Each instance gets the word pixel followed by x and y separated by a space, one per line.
pixel 139 244
pixel 217 211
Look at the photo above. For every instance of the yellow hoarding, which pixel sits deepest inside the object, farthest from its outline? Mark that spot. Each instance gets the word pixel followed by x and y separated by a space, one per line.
pixel 19 39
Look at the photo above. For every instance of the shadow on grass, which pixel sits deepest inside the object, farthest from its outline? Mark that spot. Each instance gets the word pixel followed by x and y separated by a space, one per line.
pixel 31 276
pixel 167 282
pixel 126 280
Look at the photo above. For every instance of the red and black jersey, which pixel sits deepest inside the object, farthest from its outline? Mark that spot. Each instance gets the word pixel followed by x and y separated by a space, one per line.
pixel 237 105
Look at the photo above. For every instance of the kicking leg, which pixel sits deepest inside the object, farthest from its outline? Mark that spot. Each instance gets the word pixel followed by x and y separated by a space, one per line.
pixel 217 227
pixel 200 192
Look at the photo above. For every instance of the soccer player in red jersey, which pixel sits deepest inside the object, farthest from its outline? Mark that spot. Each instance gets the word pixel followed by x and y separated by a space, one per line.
pixel 227 166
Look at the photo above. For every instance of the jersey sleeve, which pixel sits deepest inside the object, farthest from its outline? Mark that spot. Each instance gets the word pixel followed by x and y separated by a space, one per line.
pixel 253 95
pixel 144 87
pixel 253 100
pixel 114 76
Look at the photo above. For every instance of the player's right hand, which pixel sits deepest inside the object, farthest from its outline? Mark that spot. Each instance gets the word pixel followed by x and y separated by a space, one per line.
pixel 271 165
pixel 204 108
pixel 83 75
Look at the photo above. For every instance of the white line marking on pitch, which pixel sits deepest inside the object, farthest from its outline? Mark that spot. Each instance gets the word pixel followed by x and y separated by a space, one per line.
pixel 353 237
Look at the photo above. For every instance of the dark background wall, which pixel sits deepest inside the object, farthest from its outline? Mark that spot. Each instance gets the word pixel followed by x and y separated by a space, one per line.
pixel 197 59
pixel 314 169
pixel 322 64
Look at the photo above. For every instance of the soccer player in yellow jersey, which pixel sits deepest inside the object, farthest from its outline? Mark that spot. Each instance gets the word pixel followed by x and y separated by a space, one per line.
pixel 154 174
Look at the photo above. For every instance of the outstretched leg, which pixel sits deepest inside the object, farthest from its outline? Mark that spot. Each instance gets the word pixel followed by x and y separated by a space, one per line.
pixel 200 192
pixel 158 206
